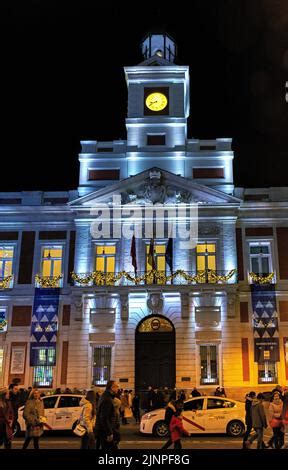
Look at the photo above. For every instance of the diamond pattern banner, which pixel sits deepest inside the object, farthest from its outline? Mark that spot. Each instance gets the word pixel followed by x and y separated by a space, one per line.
pixel 44 325
pixel 265 323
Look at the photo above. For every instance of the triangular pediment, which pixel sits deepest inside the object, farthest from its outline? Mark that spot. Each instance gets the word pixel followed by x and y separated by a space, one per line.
pixel 155 186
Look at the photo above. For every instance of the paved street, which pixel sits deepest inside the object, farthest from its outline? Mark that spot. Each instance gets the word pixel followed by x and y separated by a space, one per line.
pixel 132 439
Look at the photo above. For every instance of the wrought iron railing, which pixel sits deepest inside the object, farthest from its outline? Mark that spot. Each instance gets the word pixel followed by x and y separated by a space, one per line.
pixel 179 277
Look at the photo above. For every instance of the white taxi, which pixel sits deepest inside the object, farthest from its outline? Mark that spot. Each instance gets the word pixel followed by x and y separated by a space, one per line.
pixel 206 414
pixel 61 411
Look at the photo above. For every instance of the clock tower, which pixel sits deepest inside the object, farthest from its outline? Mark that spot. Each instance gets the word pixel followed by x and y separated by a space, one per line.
pixel 158 108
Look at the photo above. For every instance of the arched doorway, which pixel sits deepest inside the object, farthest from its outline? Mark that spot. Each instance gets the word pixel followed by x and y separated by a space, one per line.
pixel 155 353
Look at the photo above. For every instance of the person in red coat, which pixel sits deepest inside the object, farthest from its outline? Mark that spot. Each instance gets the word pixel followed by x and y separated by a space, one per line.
pixel 176 429
pixel 6 419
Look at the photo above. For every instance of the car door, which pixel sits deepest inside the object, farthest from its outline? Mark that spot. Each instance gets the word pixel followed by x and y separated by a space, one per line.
pixel 68 407
pixel 50 403
pixel 193 416
pixel 218 414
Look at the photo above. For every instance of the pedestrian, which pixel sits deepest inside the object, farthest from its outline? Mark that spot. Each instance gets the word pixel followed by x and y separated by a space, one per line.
pixel 195 392
pixel 88 419
pixel 285 415
pixel 126 411
pixel 14 397
pixel 34 417
pixel 151 397
pixel 177 429
pixel 169 412
pixel 248 416
pixel 106 419
pixel 275 421
pixel 136 408
pixel 6 419
pixel 182 395
pixel 220 392
pixel 117 407
pixel 166 395
pixel 258 422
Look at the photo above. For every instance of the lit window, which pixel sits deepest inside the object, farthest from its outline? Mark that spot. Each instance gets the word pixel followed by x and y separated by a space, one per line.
pixel 206 256
pixel 101 364
pixel 6 260
pixel 267 372
pixel 105 258
pixel 52 261
pixel 159 257
pixel 208 364
pixel 1 361
pixel 43 372
pixel 260 258
pixel 42 376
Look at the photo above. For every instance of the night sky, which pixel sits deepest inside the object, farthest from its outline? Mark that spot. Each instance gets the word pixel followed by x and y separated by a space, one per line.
pixel 62 81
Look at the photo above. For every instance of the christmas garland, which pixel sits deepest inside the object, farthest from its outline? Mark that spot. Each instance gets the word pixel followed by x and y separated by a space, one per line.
pixel 48 281
pixel 261 279
pixel 100 278
pixel 4 283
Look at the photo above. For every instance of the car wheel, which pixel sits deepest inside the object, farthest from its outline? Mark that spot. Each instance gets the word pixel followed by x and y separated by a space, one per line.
pixel 160 429
pixel 235 428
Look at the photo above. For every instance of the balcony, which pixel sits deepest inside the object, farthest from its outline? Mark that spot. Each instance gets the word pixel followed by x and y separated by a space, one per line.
pixel 179 277
pixel 48 281
pixel 6 282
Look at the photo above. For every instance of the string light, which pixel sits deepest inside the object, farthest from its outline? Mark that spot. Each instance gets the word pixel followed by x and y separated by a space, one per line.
pixel 101 278
pixel 48 281
pixel 262 279
pixel 4 283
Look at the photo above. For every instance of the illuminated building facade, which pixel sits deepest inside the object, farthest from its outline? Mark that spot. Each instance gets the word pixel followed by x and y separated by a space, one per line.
pixel 194 325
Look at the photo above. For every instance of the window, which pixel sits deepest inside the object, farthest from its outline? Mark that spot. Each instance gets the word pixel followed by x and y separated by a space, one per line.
pixel 208 364
pixel 101 364
pixel 6 260
pixel 43 372
pixel 52 261
pixel 206 256
pixel 3 319
pixel 42 376
pixel 213 403
pixel 69 402
pixel 49 402
pixel 159 257
pixel 194 404
pixel 260 258
pixel 105 258
pixel 1 361
pixel 267 373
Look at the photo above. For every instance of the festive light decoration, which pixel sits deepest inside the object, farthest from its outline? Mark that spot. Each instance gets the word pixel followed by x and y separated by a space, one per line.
pixel 151 277
pixel 3 324
pixel 261 279
pixel 48 281
pixel 4 283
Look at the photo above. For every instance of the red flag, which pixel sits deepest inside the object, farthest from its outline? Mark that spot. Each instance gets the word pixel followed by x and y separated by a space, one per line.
pixel 151 258
pixel 133 254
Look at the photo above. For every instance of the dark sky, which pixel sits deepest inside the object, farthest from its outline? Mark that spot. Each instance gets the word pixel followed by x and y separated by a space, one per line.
pixel 62 81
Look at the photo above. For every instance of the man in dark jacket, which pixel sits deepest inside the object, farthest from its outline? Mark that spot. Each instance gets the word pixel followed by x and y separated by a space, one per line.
pixel 248 416
pixel 258 422
pixel 15 402
pixel 171 409
pixel 106 419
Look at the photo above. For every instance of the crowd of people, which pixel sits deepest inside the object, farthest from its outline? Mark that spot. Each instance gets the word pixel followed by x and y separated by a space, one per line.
pixel 277 418
pixel 103 410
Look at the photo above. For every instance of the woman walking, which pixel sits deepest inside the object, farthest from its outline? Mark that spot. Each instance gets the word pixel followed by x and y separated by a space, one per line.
pixel 34 416
pixel 176 428
pixel 275 421
pixel 6 419
pixel 88 420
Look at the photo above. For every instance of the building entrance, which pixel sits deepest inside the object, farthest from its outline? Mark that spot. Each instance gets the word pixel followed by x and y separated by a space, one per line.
pixel 154 353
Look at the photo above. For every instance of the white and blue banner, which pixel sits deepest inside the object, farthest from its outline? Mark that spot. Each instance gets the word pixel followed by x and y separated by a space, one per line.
pixel 44 326
pixel 265 323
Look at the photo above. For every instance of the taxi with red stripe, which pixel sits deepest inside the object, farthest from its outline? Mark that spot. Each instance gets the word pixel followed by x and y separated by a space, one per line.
pixel 205 414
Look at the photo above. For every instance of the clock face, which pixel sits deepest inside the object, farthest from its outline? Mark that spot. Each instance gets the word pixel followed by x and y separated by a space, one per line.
pixel 156 101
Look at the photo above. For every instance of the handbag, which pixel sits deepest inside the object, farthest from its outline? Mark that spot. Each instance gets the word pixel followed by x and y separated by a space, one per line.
pixel 79 430
pixel 275 423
